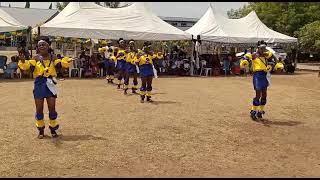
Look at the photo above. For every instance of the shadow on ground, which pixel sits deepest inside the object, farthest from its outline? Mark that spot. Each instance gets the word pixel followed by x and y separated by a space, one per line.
pixel 269 123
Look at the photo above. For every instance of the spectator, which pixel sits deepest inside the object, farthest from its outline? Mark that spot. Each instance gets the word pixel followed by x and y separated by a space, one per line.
pixel 226 64
pixel 11 68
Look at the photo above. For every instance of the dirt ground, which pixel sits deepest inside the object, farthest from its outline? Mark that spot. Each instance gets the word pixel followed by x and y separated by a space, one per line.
pixel 197 127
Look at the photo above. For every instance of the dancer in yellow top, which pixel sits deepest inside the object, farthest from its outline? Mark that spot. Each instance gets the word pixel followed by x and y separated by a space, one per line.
pixel 261 67
pixel 44 66
pixel 146 68
pixel 131 69
pixel 121 61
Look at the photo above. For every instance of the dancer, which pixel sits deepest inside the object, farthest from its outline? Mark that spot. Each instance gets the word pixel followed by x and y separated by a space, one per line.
pixel 147 71
pixel 261 79
pixel 131 68
pixel 44 67
pixel 109 61
pixel 121 61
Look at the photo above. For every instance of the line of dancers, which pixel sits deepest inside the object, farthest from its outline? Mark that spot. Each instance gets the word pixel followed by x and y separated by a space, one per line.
pixel 126 61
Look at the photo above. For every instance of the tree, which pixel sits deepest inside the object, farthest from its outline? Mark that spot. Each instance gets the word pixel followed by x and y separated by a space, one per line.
pixel 309 36
pixel 60 6
pixel 27 5
pixel 50 7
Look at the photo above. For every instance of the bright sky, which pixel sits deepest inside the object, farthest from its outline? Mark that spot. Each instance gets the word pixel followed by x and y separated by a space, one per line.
pixel 171 9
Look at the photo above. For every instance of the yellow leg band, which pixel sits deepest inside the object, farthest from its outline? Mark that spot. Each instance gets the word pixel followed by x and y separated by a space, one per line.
pixel 261 108
pixel 142 93
pixel 40 123
pixel 53 123
pixel 255 108
pixel 148 93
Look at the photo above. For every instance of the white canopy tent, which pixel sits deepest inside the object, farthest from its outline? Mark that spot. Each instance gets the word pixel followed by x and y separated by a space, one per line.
pixel 214 27
pixel 8 23
pixel 89 20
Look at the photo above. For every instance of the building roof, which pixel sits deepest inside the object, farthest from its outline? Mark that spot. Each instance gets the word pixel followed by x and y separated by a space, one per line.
pixel 30 16
pixel 180 19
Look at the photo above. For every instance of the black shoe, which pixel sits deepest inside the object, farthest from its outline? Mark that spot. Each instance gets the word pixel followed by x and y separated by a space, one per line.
pixel 41 134
pixel 142 98
pixel 119 86
pixel 54 133
pixel 134 91
pixel 125 91
pixel 149 99
pixel 253 115
pixel 259 115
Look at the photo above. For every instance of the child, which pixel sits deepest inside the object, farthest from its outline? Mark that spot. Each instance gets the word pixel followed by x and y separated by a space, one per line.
pixel 121 61
pixel 131 68
pixel 44 66
pixel 146 68
pixel 261 70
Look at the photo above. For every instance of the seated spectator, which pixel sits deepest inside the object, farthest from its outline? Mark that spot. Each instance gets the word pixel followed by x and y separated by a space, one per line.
pixel 11 68
pixel 94 65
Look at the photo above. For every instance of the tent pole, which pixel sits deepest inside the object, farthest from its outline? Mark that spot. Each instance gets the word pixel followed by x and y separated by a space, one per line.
pixel 30 39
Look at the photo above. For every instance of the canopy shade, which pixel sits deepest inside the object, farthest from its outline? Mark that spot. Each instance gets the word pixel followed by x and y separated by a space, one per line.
pixel 249 29
pixel 8 23
pixel 89 20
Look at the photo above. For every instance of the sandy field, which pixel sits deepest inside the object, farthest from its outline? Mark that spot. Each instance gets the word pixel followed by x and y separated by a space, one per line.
pixel 197 127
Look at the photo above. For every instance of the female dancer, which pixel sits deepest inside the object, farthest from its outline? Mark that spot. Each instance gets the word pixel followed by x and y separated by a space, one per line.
pixel 107 54
pixel 261 69
pixel 131 68
pixel 146 68
pixel 44 67
pixel 121 61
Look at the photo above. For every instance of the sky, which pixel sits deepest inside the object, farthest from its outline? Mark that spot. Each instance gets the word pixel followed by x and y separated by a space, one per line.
pixel 169 9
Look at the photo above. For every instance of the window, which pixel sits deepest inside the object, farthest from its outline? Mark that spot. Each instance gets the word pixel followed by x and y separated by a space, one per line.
pixel 174 24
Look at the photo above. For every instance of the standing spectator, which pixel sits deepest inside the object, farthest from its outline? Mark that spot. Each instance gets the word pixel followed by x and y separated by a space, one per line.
pixel 226 64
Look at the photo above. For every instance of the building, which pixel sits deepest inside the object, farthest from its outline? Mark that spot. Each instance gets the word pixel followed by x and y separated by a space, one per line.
pixel 180 22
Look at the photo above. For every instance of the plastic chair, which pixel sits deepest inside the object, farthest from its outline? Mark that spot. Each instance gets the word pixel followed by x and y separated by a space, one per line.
pixel 208 71
pixel 73 67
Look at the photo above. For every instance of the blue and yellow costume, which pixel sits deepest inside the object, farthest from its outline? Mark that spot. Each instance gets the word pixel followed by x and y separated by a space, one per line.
pixel 260 69
pixel 146 68
pixel 42 70
pixel 131 70
pixel 121 64
pixel 108 62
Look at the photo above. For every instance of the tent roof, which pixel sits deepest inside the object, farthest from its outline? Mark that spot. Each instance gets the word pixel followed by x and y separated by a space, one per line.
pixel 89 20
pixel 8 23
pixel 30 16
pixel 213 26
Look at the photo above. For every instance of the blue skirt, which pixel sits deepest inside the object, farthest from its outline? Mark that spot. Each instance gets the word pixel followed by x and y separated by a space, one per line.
pixel 130 68
pixel 41 90
pixel 121 65
pixel 146 70
pixel 260 81
pixel 108 63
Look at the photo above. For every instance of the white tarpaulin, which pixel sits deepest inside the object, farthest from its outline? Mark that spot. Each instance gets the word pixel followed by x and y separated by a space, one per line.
pixel 89 20
pixel 213 26
pixel 8 23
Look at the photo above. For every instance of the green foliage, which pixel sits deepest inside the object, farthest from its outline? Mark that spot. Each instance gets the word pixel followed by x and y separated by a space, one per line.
pixel 61 5
pixel 309 36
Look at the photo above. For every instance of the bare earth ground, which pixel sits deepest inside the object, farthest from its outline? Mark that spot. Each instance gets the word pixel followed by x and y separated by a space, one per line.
pixel 197 127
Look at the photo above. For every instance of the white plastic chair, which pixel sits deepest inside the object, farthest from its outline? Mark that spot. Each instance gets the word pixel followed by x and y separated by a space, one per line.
pixel 208 71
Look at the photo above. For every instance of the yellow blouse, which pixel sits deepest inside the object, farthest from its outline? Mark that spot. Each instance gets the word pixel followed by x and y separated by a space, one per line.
pixel 46 70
